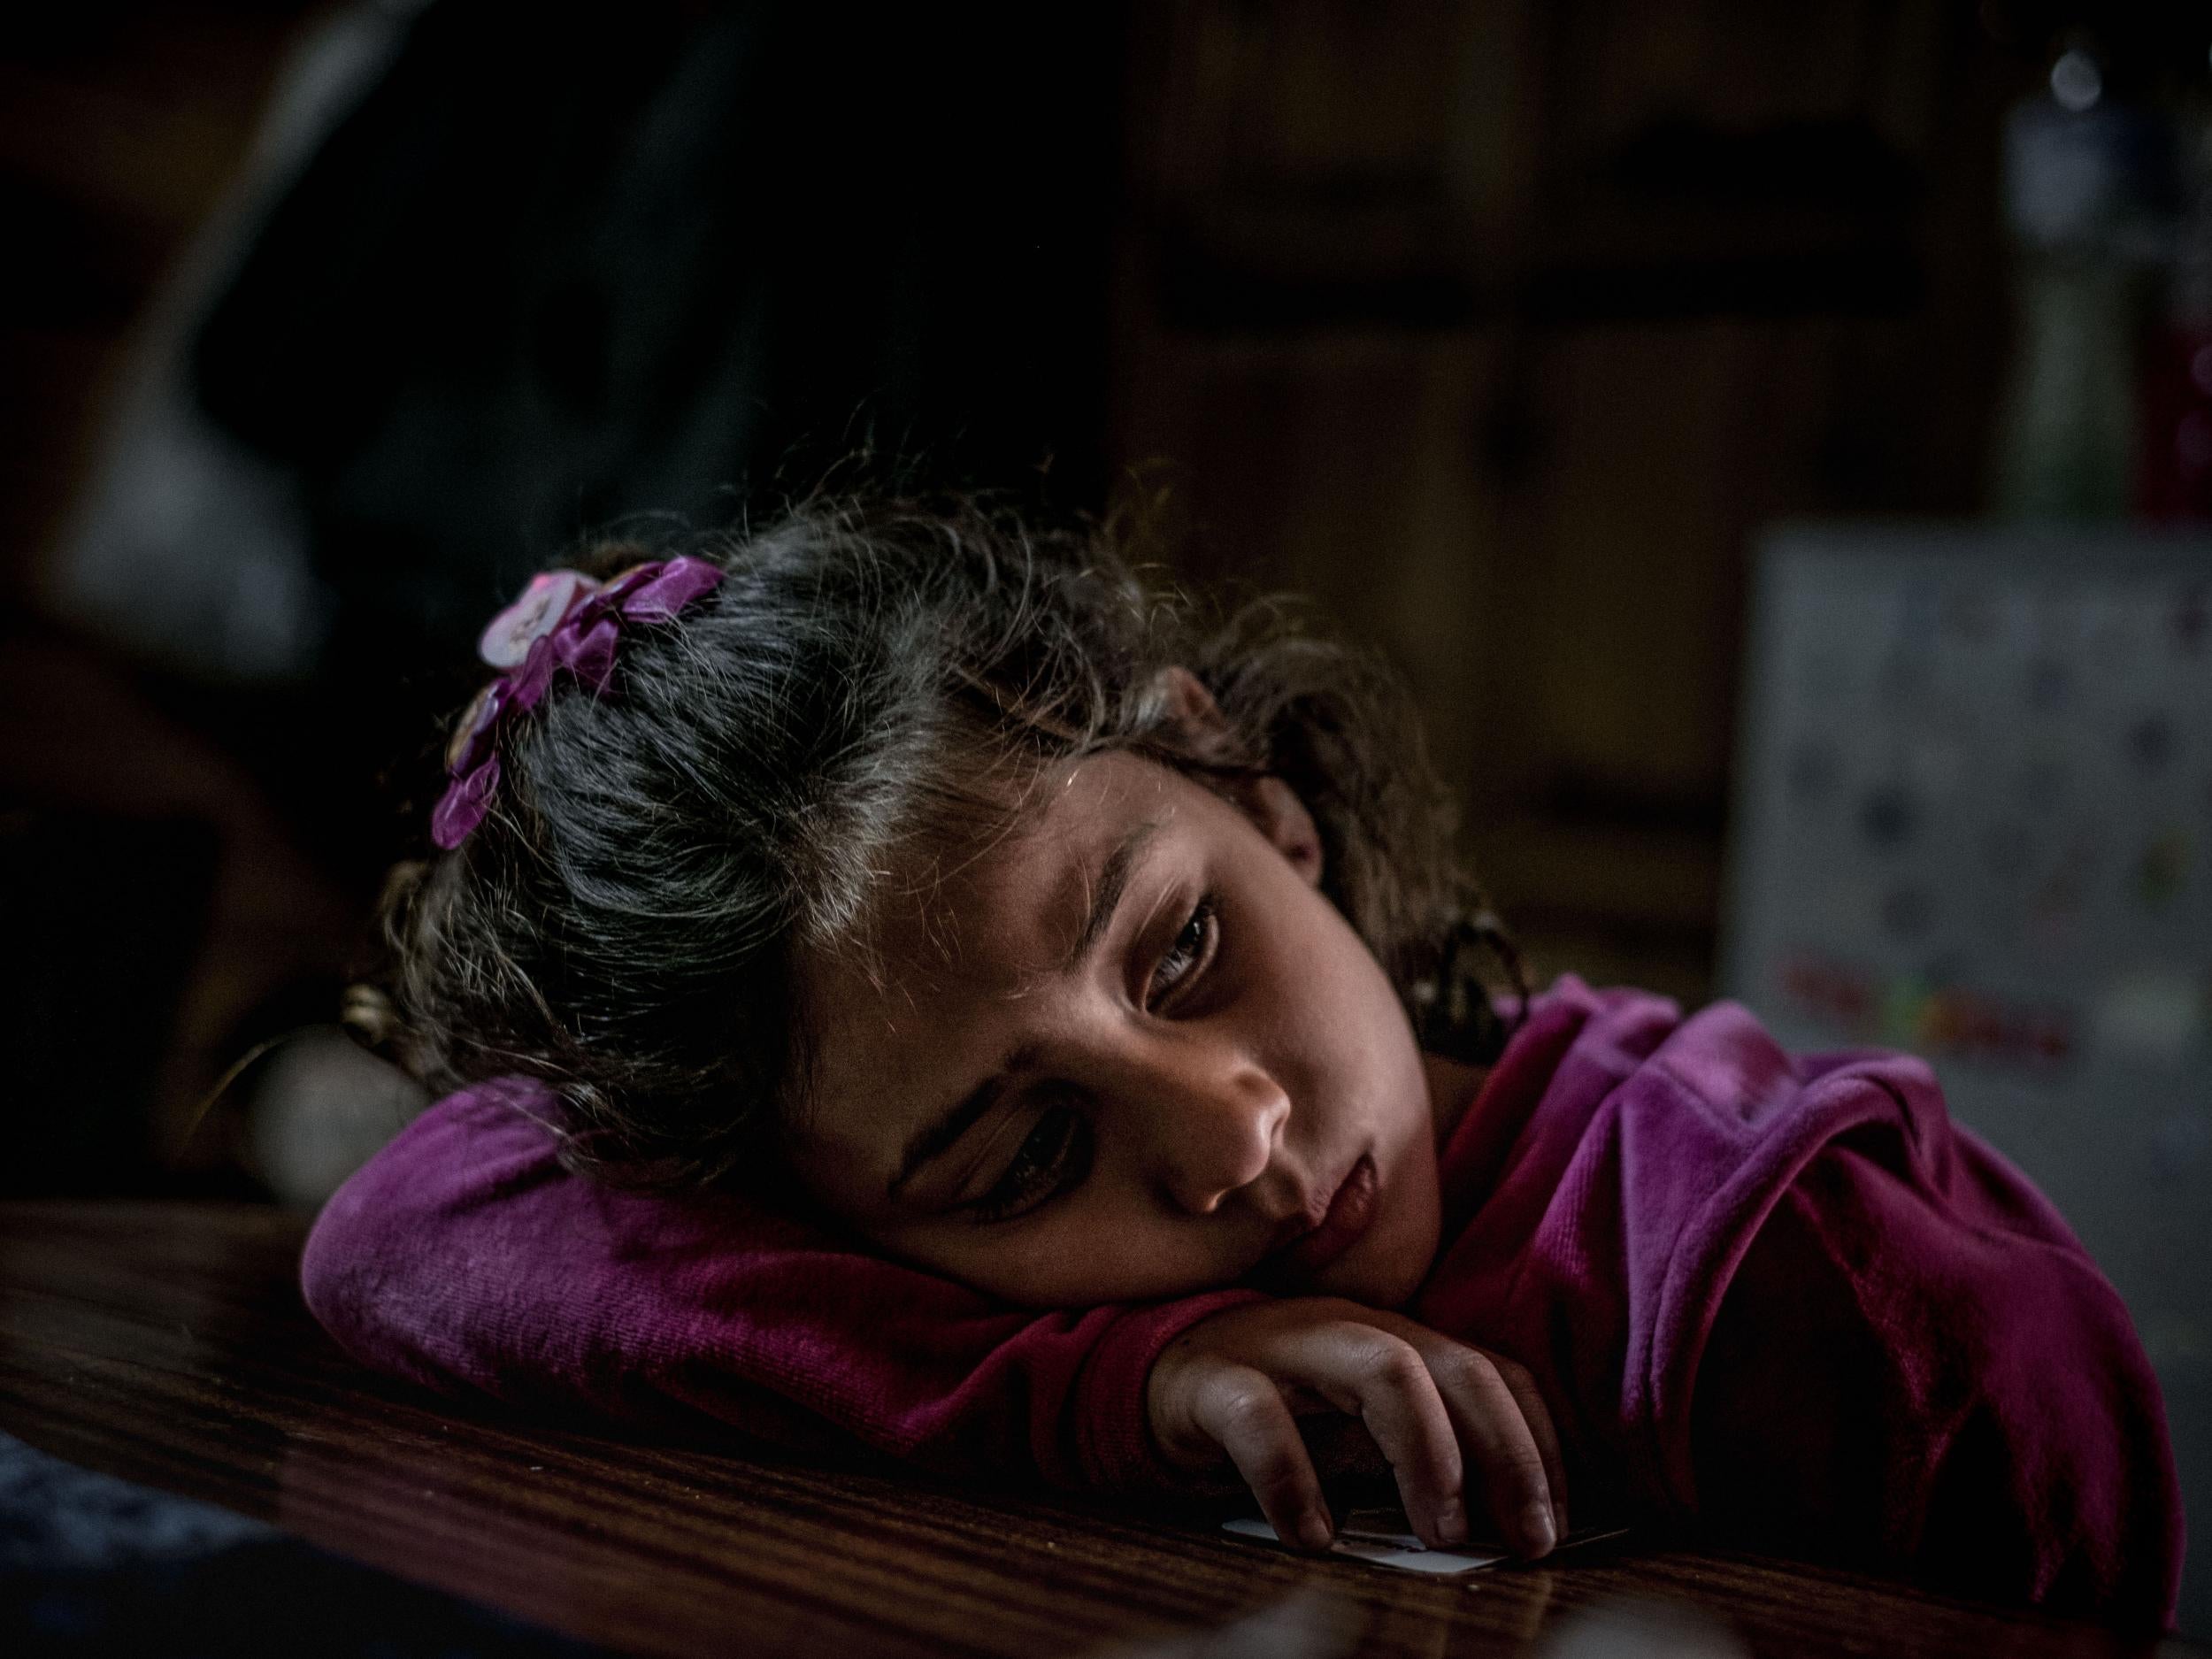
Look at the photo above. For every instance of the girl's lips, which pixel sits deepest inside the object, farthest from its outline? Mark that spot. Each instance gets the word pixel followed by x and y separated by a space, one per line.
pixel 1351 1212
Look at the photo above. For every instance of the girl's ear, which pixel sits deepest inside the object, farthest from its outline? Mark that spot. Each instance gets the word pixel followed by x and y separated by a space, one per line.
pixel 1282 816
pixel 1269 802
pixel 1190 706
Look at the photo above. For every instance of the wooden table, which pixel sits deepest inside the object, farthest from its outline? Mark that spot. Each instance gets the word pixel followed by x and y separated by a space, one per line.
pixel 167 1343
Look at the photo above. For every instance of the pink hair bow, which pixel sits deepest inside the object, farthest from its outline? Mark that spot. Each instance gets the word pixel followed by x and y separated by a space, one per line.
pixel 564 621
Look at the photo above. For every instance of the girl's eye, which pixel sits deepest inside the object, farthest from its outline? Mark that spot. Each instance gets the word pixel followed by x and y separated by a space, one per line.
pixel 1193 949
pixel 1055 1157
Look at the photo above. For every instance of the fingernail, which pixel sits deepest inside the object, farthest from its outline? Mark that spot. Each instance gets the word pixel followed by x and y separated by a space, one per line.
pixel 1314 1530
pixel 1560 1529
pixel 1451 1523
pixel 1537 1531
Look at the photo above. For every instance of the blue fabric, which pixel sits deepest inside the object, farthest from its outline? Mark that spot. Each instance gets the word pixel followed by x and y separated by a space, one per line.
pixel 56 1516
pixel 92 1564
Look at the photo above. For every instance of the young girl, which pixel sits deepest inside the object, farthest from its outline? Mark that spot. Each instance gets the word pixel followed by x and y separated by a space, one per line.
pixel 901 977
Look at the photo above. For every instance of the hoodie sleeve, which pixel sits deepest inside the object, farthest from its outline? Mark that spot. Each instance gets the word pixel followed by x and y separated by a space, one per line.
pixel 1785 1300
pixel 464 1257
pixel 1917 1366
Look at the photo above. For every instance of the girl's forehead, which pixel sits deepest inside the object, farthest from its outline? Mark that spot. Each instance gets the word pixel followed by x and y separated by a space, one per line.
pixel 994 920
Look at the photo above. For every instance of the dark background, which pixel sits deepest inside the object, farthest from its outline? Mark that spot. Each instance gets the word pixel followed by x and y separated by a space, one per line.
pixel 1498 328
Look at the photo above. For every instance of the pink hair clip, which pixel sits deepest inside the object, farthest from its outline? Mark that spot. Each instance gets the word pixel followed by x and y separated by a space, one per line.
pixel 564 621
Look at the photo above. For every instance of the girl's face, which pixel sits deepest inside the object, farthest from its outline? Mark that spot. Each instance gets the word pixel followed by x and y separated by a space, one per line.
pixel 1129 1052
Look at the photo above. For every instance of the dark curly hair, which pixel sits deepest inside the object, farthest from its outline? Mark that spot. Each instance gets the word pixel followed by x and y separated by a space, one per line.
pixel 875 677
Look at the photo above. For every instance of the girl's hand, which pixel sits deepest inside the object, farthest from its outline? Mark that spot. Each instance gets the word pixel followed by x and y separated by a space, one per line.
pixel 1446 1415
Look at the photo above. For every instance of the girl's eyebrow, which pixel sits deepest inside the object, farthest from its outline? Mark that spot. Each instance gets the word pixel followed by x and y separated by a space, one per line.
pixel 1113 882
pixel 942 1132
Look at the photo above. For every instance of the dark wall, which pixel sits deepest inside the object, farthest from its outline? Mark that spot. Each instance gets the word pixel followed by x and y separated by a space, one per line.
pixel 1497 326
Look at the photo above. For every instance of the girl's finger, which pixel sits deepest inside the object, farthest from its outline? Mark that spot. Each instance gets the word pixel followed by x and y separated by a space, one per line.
pixel 1245 1415
pixel 1493 1427
pixel 1385 1381
pixel 1537 1415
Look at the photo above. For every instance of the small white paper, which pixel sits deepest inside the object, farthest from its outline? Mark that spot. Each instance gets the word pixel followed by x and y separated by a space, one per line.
pixel 1402 1550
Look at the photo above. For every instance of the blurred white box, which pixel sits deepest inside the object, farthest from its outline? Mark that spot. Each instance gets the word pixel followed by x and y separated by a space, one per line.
pixel 1972 818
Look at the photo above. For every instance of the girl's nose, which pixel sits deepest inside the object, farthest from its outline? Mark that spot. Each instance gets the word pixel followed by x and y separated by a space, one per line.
pixel 1217 1122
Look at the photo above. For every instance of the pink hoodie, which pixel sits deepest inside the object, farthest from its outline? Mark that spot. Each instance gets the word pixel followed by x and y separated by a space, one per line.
pixel 1777 1299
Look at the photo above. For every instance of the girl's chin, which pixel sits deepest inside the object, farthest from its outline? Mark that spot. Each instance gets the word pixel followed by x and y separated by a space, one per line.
pixel 1385 1276
pixel 1388 1265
